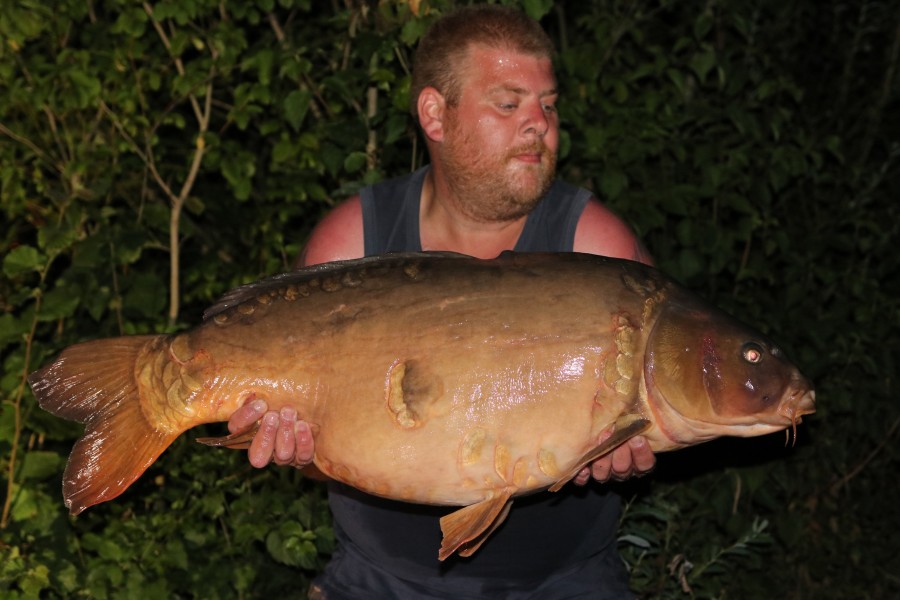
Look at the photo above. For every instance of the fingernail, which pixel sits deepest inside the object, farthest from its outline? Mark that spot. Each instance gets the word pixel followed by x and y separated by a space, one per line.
pixel 270 419
pixel 637 442
pixel 288 413
pixel 259 405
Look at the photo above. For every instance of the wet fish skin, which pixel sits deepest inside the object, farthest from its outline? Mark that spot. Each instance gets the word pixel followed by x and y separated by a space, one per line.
pixel 434 378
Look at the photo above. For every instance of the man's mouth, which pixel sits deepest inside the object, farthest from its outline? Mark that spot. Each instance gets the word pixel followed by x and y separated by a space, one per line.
pixel 529 155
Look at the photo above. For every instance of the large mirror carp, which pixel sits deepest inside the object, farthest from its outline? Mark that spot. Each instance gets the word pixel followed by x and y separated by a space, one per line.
pixel 434 378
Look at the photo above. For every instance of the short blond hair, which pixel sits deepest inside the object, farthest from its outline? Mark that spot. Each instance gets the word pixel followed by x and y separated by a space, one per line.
pixel 443 49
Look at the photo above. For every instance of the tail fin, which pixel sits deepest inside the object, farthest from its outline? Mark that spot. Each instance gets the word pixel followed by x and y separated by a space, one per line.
pixel 94 383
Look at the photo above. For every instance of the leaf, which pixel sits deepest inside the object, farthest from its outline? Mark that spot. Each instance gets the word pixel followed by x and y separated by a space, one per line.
pixel 239 169
pixel 690 264
pixel 24 504
pixel 7 427
pixel 176 554
pixel 22 260
pixel 702 62
pixel 612 182
pixel 412 31
pixel 132 22
pixel 39 464
pixel 105 547
pixel 11 328
pixel 86 87
pixel 35 581
pixel 702 25
pixel 634 541
pixel 296 105
pixel 284 150
pixel 145 295
pixel 355 161
pixel 58 303
pixel 536 9
pixel 676 77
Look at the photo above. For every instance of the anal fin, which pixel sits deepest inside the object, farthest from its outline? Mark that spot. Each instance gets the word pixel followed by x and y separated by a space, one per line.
pixel 627 426
pixel 467 529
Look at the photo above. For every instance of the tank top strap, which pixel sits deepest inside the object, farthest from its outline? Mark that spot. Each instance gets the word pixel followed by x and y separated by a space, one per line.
pixel 390 211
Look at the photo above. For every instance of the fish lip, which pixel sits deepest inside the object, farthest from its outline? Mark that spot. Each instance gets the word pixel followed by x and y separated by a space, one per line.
pixel 800 401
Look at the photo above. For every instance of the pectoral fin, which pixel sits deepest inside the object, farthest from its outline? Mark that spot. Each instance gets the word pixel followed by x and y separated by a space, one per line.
pixel 466 529
pixel 239 440
pixel 627 426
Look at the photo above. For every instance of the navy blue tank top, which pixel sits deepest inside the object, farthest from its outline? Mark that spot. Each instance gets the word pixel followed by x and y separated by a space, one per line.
pixel 545 533
pixel 391 217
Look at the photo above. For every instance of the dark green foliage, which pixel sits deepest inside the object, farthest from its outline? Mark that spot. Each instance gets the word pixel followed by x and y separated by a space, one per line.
pixel 153 156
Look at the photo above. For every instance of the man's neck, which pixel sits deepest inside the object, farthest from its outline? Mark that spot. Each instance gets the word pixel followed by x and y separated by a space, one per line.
pixel 444 226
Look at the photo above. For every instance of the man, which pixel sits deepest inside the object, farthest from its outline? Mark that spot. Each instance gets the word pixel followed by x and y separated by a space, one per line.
pixel 484 95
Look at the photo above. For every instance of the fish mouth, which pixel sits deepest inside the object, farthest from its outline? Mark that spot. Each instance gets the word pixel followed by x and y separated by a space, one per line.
pixel 801 401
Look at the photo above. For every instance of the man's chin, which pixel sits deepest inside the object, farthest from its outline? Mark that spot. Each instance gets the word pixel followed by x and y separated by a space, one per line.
pixel 529 187
pixel 533 174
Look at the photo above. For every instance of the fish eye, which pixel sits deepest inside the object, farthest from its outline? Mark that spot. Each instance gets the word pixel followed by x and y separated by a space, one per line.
pixel 752 352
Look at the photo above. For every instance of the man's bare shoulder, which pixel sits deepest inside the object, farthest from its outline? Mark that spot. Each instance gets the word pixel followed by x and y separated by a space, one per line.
pixel 338 236
pixel 601 231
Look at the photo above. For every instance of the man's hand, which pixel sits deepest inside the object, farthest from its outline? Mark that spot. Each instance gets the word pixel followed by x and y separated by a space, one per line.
pixel 629 459
pixel 281 437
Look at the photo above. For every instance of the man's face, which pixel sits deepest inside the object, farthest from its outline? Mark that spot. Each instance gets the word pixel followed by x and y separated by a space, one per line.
pixel 500 141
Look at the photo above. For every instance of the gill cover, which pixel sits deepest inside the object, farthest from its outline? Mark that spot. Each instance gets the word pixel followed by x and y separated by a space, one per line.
pixel 708 366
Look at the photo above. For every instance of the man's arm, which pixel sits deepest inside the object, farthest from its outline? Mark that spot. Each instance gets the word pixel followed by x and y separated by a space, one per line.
pixel 338 236
pixel 281 437
pixel 600 231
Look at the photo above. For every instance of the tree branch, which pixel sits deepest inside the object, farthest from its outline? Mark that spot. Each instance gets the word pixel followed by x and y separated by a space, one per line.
pixel 178 204
pixel 835 487
pixel 17 402
pixel 31 146
pixel 177 200
pixel 179 66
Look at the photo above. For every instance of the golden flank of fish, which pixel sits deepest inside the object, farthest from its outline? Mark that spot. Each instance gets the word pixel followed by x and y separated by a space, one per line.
pixel 434 378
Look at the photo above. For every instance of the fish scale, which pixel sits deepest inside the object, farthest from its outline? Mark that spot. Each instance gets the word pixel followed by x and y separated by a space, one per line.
pixel 434 378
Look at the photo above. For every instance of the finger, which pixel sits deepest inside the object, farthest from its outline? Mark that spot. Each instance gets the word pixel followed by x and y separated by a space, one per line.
pixel 260 452
pixel 622 462
pixel 601 468
pixel 247 415
pixel 284 435
pixel 583 476
pixel 643 458
pixel 305 446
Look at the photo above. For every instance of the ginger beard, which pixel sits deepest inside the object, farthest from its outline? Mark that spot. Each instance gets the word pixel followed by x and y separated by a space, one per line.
pixel 490 187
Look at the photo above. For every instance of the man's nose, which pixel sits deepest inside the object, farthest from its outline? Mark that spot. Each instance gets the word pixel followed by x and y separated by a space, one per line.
pixel 536 120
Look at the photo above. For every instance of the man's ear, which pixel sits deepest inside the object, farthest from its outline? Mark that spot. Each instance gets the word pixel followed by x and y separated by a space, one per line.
pixel 432 107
